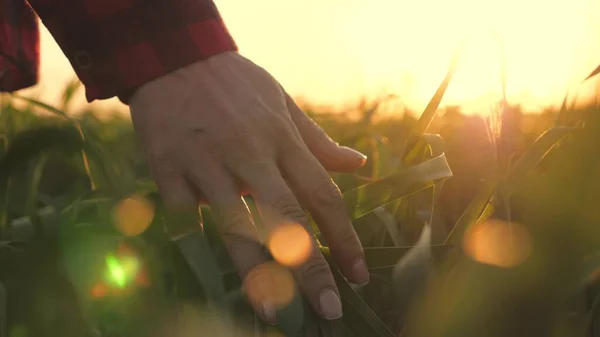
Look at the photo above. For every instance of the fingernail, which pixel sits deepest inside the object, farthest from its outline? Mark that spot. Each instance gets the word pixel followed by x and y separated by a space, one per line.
pixel 359 156
pixel 269 313
pixel 360 272
pixel 331 307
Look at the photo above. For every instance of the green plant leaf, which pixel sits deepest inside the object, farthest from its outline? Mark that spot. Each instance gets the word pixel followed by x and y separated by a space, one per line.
pixel 533 155
pixel 291 318
pixel 385 257
pixel 368 197
pixel 32 197
pixel 412 272
pixel 358 316
pixel 69 91
pixel 389 222
pixel 44 106
pixel 404 210
pixel 593 73
pixel 431 108
pixel 481 208
pixel 28 144
pixel 593 321
pixel 3 311
pixel 199 257
pixel 426 143
pixel 473 214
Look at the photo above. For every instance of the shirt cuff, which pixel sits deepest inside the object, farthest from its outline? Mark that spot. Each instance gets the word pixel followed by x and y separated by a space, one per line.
pixel 117 46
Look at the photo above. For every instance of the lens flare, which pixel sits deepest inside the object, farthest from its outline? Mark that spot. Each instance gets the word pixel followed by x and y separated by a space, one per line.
pixel 270 283
pixel 133 215
pixel 498 243
pixel 290 244
pixel 116 272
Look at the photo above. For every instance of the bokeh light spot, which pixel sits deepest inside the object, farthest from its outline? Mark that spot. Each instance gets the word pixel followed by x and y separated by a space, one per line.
pixel 116 272
pixel 270 283
pixel 120 271
pixel 133 215
pixel 290 244
pixel 498 243
pixel 99 290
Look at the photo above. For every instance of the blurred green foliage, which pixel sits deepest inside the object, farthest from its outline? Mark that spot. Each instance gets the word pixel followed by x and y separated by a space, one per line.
pixel 62 177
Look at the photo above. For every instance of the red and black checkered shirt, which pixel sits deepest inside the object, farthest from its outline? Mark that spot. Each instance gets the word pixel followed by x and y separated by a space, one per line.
pixel 114 45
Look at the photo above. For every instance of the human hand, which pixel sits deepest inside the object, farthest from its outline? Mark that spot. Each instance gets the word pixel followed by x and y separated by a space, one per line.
pixel 224 126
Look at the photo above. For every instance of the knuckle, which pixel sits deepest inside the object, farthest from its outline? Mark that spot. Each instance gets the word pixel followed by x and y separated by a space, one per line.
pixel 327 195
pixel 314 267
pixel 164 169
pixel 233 224
pixel 239 144
pixel 288 207
pixel 318 134
pixel 346 243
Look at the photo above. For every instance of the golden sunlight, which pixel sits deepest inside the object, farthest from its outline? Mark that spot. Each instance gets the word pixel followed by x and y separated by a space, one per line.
pixel 334 52
pixel 498 243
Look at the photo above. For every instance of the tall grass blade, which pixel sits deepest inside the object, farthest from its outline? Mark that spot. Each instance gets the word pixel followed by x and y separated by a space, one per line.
pixel 28 144
pixel 562 117
pixel 69 92
pixel 431 108
pixel 386 257
pixel 200 258
pixel 390 225
pixel 93 179
pixel 593 73
pixel 358 316
pixel 533 155
pixel 291 318
pixel 432 144
pixel 593 322
pixel 412 271
pixel 472 215
pixel 480 206
pixel 32 196
pixel 404 210
pixel 47 107
pixel 3 311
pixel 369 197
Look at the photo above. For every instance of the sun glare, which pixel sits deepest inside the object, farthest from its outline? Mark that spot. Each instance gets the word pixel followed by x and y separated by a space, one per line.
pixel 540 40
pixel 498 243
pixel 334 52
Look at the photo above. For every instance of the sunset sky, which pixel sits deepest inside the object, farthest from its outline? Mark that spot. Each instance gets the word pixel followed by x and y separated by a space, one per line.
pixel 335 51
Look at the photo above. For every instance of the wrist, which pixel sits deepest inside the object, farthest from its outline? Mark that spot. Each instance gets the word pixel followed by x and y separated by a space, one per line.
pixel 115 47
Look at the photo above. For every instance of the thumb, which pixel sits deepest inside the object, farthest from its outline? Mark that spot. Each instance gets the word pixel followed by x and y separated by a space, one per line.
pixel 331 155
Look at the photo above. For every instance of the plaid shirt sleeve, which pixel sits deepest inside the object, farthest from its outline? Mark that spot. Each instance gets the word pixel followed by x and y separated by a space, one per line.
pixel 116 46
pixel 19 46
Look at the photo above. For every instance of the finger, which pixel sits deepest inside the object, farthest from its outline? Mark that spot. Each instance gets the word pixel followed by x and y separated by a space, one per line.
pixel 333 156
pixel 179 197
pixel 323 199
pixel 279 207
pixel 202 199
pixel 234 224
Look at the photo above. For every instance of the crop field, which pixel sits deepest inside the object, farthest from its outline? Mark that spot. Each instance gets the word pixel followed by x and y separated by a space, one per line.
pixel 472 226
